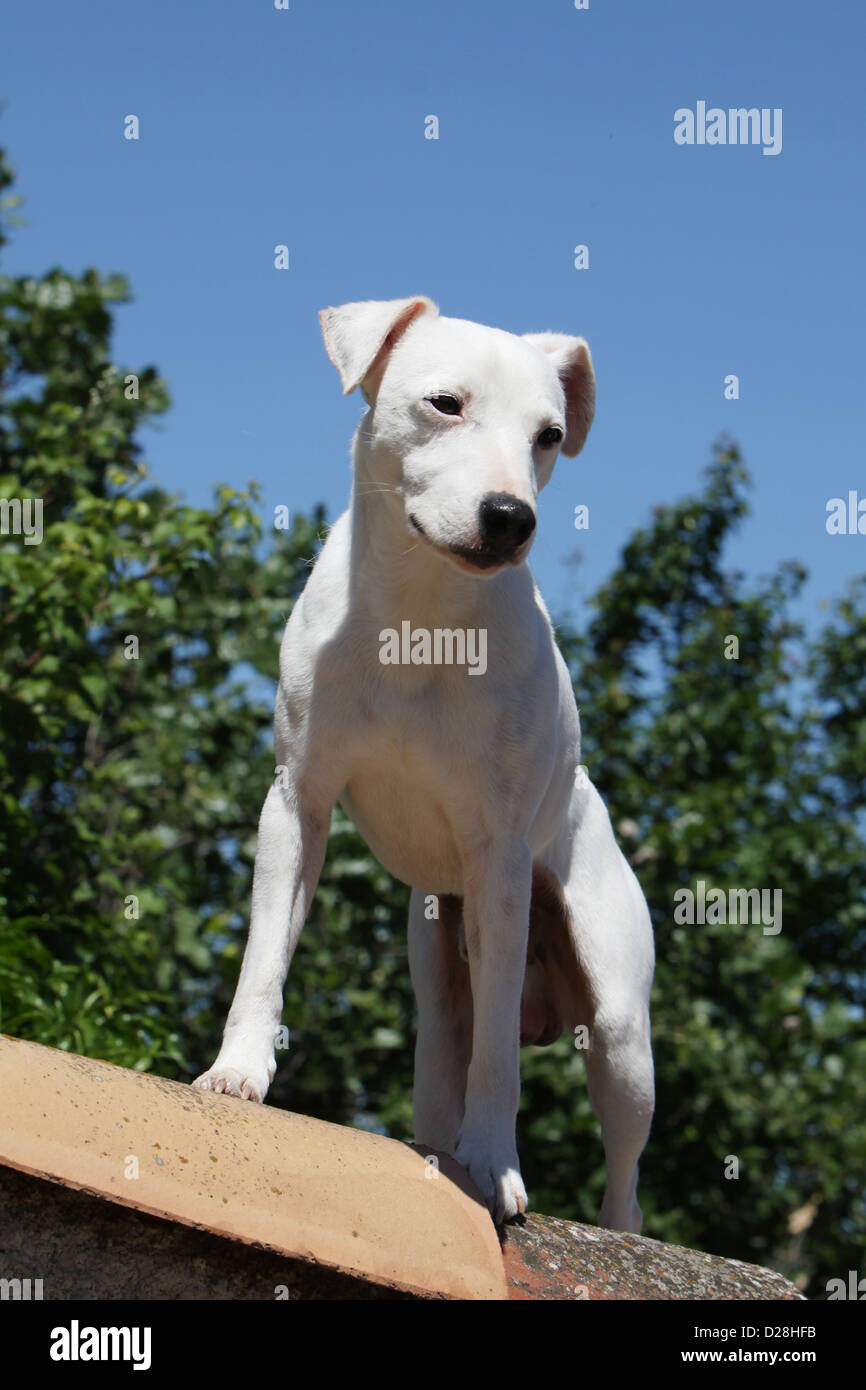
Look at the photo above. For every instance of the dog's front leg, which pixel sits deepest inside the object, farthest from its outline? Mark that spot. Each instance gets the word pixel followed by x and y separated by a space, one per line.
pixel 293 833
pixel 496 916
pixel 444 1046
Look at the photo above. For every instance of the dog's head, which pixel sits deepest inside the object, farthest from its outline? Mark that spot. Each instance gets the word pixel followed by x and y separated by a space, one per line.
pixel 465 422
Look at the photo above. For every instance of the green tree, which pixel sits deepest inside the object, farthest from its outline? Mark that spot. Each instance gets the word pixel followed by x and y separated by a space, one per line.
pixel 743 772
pixel 141 776
pixel 131 752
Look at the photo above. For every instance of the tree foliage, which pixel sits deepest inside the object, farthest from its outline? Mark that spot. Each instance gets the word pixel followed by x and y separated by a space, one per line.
pixel 131 779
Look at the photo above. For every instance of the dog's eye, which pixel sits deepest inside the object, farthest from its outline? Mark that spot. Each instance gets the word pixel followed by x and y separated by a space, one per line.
pixel 549 438
pixel 446 405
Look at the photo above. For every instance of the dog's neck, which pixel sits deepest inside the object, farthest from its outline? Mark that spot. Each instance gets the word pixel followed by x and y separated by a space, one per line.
pixel 397 575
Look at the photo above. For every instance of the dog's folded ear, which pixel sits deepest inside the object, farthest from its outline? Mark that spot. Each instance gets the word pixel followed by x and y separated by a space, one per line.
pixel 574 365
pixel 359 337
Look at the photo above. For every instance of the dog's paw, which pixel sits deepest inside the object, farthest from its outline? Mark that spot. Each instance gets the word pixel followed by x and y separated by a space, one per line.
pixel 625 1216
pixel 249 1083
pixel 498 1180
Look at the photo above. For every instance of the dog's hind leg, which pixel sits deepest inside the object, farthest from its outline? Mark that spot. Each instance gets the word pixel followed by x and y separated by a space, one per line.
pixel 440 977
pixel 619 1073
pixel 612 935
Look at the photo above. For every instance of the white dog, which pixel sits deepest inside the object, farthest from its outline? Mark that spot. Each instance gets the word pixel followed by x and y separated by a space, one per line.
pixel 463 776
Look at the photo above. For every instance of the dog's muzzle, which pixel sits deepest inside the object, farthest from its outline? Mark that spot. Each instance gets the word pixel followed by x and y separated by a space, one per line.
pixel 505 526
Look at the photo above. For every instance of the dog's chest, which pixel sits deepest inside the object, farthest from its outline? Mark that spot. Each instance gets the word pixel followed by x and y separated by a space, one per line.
pixel 408 831
pixel 403 796
pixel 435 752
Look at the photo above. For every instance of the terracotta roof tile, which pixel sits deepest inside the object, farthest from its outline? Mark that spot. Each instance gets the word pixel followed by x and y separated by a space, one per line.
pixel 334 1196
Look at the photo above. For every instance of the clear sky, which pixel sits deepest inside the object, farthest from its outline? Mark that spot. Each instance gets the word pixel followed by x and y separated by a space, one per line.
pixel 556 128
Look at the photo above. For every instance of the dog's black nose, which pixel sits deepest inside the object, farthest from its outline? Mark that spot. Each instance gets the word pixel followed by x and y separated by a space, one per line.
pixel 504 522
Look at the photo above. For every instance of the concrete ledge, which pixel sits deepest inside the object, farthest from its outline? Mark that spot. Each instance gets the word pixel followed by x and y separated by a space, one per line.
pixel 81 1247
pixel 321 1194
pixel 119 1185
pixel 550 1259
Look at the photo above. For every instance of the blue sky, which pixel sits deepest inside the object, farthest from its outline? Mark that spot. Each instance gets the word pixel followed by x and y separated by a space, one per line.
pixel 306 127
